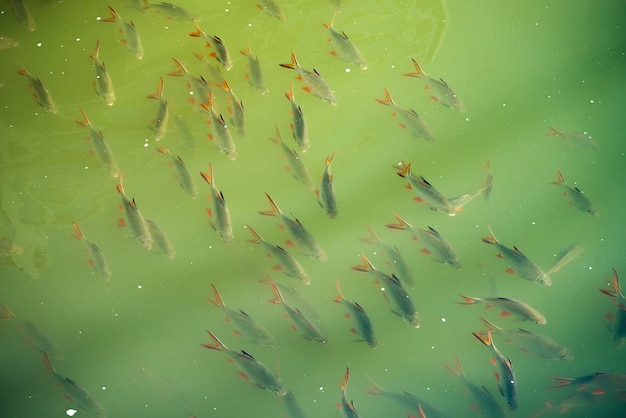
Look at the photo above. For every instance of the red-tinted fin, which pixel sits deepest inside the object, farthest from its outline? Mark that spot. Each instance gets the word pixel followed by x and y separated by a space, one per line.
pixel 198 33
pixel 159 92
pixel 275 210
pixel 560 180
pixel 468 300
pixel 425 251
pixel 293 64
pixel 366 266
pixel 344 384
pixel 492 239
pixel 418 70
pixel 115 17
pixel 388 101
pixel 554 132
pixel 339 297
pixel 216 344
pixel 243 375
pixel 85 120
pixel 79 234
pixel 485 340
pixel 218 299
pixel 561 381
pixel 402 224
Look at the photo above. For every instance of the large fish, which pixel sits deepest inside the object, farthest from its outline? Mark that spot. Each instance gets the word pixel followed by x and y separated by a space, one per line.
pixel 298 125
pixel 409 119
pixel 97 261
pixel 254 74
pixel 162 117
pixel 347 406
pixel 296 167
pixel 103 84
pixel 40 93
pixel 220 133
pixel 134 217
pixel 326 193
pixel 575 197
pixel 219 216
pixel 131 36
pixel 344 48
pixel 219 50
pixel 314 83
pixel 364 327
pixel 523 311
pixel 260 376
pixel 426 192
pixel 618 328
pixel 100 146
pixel 441 92
pixel 183 177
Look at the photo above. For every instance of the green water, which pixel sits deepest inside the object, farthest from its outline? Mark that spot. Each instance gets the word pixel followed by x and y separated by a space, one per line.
pixel 133 342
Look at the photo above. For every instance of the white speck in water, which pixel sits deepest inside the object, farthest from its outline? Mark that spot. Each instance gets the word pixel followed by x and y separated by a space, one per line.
pixel 347 70
pixel 139 287
pixel 393 66
pixel 443 319
pixel 533 222
pixel 98 18
pixel 77 39
pixel 590 268
pixel 39 44
pixel 503 104
pixel 321 388
pixel 432 347
pixel 146 145
pixel 104 388
pixel 86 167
pixel 249 25
pixel 592 101
pixel 70 412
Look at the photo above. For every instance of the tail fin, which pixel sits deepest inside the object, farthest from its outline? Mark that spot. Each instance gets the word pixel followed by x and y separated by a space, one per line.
pixel 85 120
pixel 218 299
pixel 274 211
pixel 278 297
pixel 492 239
pixel 79 234
pixel 560 180
pixel 216 344
pixel 468 300
pixel 401 225
pixel 208 177
pixel 181 68
pixel 257 238
pixel 339 297
pixel 418 70
pixel 366 266
pixel 388 101
pixel 457 370
pixel 485 340
pixel 159 92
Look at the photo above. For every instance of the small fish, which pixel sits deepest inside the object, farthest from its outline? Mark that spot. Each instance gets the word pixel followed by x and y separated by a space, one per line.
pixel 345 49
pixel 139 5
pixel 566 256
pixel 6 43
pixel 505 377
pixel 199 88
pixel 35 337
pixel 40 93
pixel 441 92
pixel 183 177
pixel 347 406
pixel 254 75
pixel 160 122
pixel 487 404
pixel 484 190
pixel 271 8
pixel 298 126
pixel 436 246
pixel 393 254
pixel 518 262
pixel 137 222
pixel 258 374
pixel 364 327
pixel 97 261
pixel 394 292
pixel 219 216
pixel 523 311
pixel 409 119
pixel 426 192
pixel 597 383
pixel 75 393
pixel 529 342
pixel 103 84
pixel 247 327
pixel 220 52
pixel 173 11
pixel 575 139
pixel 296 167
pixel 238 116
pixel 299 322
pixel 618 328
pixel 22 14
pixel 314 83
pixel 220 134
pixel 575 197
pixel 294 297
pixel 565 405
pixel 131 36
pixel 161 240
pixel 100 146
pixel 286 263
pixel 326 193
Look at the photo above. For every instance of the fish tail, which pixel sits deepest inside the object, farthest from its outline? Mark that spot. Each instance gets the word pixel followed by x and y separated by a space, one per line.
pixel 181 68
pixel 289 95
pixel 401 225
pixel 278 296
pixel 373 238
pixel 468 300
pixel 293 64
pixel 224 85
pixel 332 20
pixel 46 362
pixel 163 150
pixel 257 238
pixel 490 325
pixel 418 70
pixel 553 132
pixel 560 178
pixel 457 370
pixel 367 266
pixel 246 52
pixel 330 159
pixel 344 384
pixel 277 139
pixel 218 299
pixel 94 54
pixel 487 187
pixel 198 33
pixel 120 185
pixel 79 234
pixel 375 389
pixel 85 120
pixel 561 381
pixel 404 170
pixel 159 92
pixel 23 71
pixel 388 101
pixel 115 17
pixel 208 177
pixel 274 211
pixel 5 312
pixel 492 239
pixel 339 297
pixel 216 344
pixel 485 340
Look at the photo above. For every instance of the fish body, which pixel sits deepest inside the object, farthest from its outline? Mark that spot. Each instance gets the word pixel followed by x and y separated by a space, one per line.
pixel 426 192
pixel 271 8
pixel 162 117
pixel 220 133
pixel 183 177
pixel 219 215
pixel 173 11
pixel 254 370
pixel 255 75
pixel 408 401
pixel 569 402
pixel 6 43
pixel 364 327
pixel 103 84
pixel 575 139
pixel 41 94
pixel 299 128
pixel 161 240
pixel 314 83
pixel 286 263
pixel 596 382
pixel 347 407
pixel 219 50
pixel 199 87
pixel 575 197
pixel 505 376
pixel 345 49
pixel 238 115
pixel 484 190
pixel 401 301
pixel 618 328
pixel 441 92
pixel 98 260
pixel 326 194
pixel 22 14
pixel 293 409
pixel 436 246
pixel 296 167
pixel 135 218
pixel 518 262
pixel 100 146
pixel 308 245
pixel 523 311
pixel 409 119
pixel 393 254
pixel 131 36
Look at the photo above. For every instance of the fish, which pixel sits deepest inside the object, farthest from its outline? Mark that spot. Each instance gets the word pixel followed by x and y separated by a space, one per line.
pixel 135 218
pixel 198 86
pixel 347 406
pixel 220 52
pixel 436 246
pixel 252 369
pixel 507 382
pixel 518 263
pixel 220 134
pixel 314 83
pixel 254 74
pixel 293 297
pixel 9 249
pixel 6 43
pixel 618 329
pixel 40 93
pixel 161 240
pixel 22 14
pixel 597 383
pixel 364 327
pixel 326 193
pixel 487 405
pixel 345 49
pixel 75 393
pixel 298 125
pixel 139 5
pixel 426 192
pixel 271 8
pixel 296 167
pixel 98 260
pixel 393 254
pixel 285 262
pixel 299 322
pixel 183 177
pixel 160 122
pixel 569 402
pixel 409 119
pixel 100 146
pixel 35 337
pixel 521 310
pixel 247 327
pixel 292 408
pixel 219 215
pixel 575 139
pixel 575 197
pixel 441 92
pixel 566 256
pixel 173 11
pixel 401 302
pixel 238 116
pixel 131 36
pixel 529 342
pixel 103 84
pixel 484 190
pixel 308 245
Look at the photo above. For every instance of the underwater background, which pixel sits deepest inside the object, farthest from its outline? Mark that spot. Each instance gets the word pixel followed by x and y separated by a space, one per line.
pixel 133 341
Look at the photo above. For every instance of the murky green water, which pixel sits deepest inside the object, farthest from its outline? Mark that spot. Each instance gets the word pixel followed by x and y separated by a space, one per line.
pixel 133 342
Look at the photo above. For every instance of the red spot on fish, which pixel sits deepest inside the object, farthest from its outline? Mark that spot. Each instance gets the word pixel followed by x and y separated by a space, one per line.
pixel 425 251
pixel 242 375
pixel 347 315
pixel 510 271
pixel 352 330
pixel 121 222
pixel 504 314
